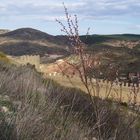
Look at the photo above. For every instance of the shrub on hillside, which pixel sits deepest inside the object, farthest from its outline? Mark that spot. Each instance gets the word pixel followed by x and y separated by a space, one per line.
pixel 42 109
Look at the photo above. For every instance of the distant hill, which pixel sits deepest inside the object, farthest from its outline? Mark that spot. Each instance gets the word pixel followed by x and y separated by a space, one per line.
pixel 33 34
pixel 31 41
pixel 27 34
pixel 94 39
pixel 111 48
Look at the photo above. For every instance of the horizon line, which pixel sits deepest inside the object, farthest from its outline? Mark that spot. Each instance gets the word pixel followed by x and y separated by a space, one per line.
pixel 65 34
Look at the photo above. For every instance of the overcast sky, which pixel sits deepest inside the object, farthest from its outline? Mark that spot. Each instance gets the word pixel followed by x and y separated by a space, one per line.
pixel 102 16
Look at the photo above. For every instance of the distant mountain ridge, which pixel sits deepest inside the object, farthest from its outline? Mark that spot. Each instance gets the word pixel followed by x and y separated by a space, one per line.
pixel 31 41
pixel 27 33
pixel 92 39
pixel 34 34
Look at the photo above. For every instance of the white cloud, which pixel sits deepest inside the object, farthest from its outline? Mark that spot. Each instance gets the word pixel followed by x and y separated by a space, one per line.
pixel 87 8
pixel 48 10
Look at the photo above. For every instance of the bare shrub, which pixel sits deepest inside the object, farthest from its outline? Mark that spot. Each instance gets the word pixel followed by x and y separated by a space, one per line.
pixel 107 126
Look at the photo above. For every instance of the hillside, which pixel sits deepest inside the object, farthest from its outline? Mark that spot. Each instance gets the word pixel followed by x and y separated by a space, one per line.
pixel 28 33
pixel 115 48
pixel 33 34
pixel 94 39
pixel 31 41
pixel 112 48
pixel 30 48
pixel 34 108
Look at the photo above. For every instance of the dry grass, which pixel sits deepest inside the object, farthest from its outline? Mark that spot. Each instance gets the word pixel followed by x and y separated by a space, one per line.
pixel 118 93
pixel 40 109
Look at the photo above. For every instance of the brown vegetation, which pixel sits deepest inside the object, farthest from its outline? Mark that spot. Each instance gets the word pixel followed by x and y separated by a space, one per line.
pixel 86 72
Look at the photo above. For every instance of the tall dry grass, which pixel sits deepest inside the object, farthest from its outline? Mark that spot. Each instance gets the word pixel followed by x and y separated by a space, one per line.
pixel 40 109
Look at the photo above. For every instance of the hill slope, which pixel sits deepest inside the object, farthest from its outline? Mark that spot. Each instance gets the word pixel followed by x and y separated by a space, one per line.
pixel 31 41
pixel 27 33
pixel 121 39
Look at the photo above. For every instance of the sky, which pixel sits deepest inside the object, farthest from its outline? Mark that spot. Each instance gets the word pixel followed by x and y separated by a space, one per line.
pixel 102 16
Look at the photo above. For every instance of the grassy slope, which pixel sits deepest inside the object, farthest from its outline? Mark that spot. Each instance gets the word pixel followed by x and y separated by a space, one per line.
pixel 42 109
pixel 117 92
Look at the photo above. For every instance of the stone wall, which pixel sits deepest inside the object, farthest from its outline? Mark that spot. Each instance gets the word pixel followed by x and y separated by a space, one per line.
pixel 29 59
